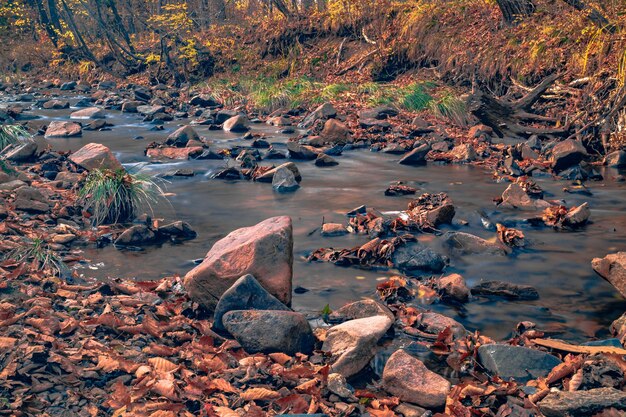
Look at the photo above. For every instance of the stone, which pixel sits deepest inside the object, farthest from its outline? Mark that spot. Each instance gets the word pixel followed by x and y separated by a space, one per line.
pixel 567 153
pixel 148 110
pixel 416 258
pixel 56 104
pixel 577 216
pixel 297 151
pixel 616 159
pixel 68 86
pixel 506 290
pixel 359 310
pixel 409 410
pixel 62 238
pixel 378 113
pixel 23 152
pixel 464 152
pixel 278 121
pixel 613 269
pixel 203 100
pixel 516 362
pixel 95 156
pixel 333 229
pixel 178 229
pixel 324 160
pixel 515 197
pixel 269 175
pixel 284 181
pixel 131 106
pixel 582 403
pixel 224 115
pixel 461 243
pixel 236 123
pixel 407 378
pixel 335 131
pixel 136 235
pixel 181 136
pixel 323 112
pixel 88 113
pixel 453 286
pixel 264 250
pixel 352 344
pixel 61 129
pixel 270 331
pixel 175 153
pixel 12 185
pixel 417 156
pixel 31 200
pixel 338 385
pixel 435 323
pixel 245 294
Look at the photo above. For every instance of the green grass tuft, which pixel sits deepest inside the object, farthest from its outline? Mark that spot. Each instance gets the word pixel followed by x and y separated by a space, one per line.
pixel 117 196
pixel 416 98
pixel 452 108
pixel 12 134
pixel 37 252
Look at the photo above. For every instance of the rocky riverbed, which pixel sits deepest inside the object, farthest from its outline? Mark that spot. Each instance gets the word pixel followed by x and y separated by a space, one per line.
pixel 455 266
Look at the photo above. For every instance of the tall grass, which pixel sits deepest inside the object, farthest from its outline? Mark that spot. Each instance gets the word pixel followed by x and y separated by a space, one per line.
pixel 37 252
pixel 452 108
pixel 117 196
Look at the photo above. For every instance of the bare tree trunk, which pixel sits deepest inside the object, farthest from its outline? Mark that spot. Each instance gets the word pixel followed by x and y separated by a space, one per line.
pixel 45 22
pixel 515 10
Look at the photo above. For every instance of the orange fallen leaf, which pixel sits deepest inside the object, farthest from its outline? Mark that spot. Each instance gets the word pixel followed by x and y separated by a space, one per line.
pixel 262 394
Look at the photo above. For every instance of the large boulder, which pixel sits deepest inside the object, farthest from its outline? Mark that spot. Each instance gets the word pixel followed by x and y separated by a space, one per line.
pixel 61 129
pixel 236 123
pixel 264 250
pixel 270 331
pixel 94 156
pixel 335 132
pixel 567 153
pixel 613 269
pixel 410 380
pixel 352 344
pixel 516 362
pixel 88 113
pixel 284 181
pixel 582 403
pixel 245 294
pixel 180 137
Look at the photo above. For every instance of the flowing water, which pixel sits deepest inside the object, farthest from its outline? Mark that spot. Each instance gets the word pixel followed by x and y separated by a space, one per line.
pixel 574 302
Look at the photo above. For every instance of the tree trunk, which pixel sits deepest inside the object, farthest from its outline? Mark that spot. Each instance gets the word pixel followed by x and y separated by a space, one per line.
pixel 593 14
pixel 515 10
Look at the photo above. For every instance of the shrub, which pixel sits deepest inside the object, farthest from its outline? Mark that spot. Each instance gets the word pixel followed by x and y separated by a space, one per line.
pixel 117 196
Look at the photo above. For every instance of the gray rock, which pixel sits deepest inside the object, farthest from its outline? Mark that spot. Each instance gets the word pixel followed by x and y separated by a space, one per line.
pixel 582 403
pixel 353 344
pixel 178 229
pixel 410 380
pixel 417 156
pixel 613 269
pixel 181 136
pixel 461 243
pixel 61 129
pixel 516 362
pixel 414 257
pixel 236 123
pixel 378 113
pixel 323 112
pixel 245 294
pixel 131 106
pixel 324 160
pixel 297 151
pixel 578 216
pixel 270 331
pixel 464 152
pixel 338 385
pixel 224 115
pixel 567 153
pixel 94 156
pixel 12 185
pixel 269 175
pixel 506 289
pixel 31 200
pixel 361 309
pixel 88 113
pixel 284 181
pixel 515 197
pixel 23 152
pixel 335 132
pixel 148 110
pixel 136 235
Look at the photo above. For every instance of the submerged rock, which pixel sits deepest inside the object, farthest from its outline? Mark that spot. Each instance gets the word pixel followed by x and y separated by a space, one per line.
pixel 462 243
pixel 136 235
pixel 361 309
pixel 94 156
pixel 506 289
pixel 453 286
pixel 245 294
pixel 264 250
pixel 270 331
pixel 582 403
pixel 414 258
pixel 407 378
pixel 178 230
pixel 613 269
pixel 516 362
pixel 515 197
pixel 352 344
